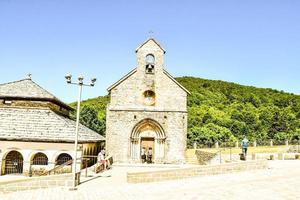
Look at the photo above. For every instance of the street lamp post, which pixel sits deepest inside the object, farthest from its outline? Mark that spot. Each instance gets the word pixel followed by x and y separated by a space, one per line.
pixel 80 85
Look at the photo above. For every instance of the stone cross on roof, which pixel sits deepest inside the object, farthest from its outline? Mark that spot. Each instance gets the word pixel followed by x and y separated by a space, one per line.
pixel 151 34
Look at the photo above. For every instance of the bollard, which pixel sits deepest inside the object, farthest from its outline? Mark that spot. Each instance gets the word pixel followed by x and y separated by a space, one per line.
pixel 254 143
pixel 271 143
pixel 237 144
pixel 286 143
pixel 217 145
pixel 195 145
pixel 254 156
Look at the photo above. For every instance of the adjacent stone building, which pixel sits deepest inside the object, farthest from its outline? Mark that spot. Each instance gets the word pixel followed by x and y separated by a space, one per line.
pixel 147 109
pixel 36 133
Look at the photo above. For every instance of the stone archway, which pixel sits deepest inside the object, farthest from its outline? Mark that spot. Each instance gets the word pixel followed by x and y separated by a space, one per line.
pixel 148 132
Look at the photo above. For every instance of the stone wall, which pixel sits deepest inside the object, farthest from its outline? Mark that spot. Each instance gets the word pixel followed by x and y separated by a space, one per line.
pixel 204 157
pixel 164 175
pixel 36 183
pixel 120 126
pixel 128 94
pixel 128 106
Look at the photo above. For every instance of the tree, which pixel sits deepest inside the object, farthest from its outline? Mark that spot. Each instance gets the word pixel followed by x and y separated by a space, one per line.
pixel 218 108
pixel 88 117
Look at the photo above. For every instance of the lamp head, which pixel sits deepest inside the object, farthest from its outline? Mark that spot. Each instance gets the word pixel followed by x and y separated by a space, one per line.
pixel 93 80
pixel 68 78
pixel 80 80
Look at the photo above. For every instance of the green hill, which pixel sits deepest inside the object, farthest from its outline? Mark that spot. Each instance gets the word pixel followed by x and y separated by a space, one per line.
pixel 225 112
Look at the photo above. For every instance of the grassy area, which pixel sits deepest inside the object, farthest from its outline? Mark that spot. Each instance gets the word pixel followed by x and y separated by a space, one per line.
pixel 259 149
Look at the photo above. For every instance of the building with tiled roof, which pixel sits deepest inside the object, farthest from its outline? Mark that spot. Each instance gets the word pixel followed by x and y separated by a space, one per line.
pixel 36 133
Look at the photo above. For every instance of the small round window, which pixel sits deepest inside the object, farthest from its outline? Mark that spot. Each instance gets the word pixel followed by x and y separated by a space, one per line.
pixel 149 97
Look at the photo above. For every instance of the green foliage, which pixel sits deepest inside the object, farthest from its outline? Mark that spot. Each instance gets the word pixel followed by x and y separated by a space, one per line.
pixel 92 113
pixel 88 117
pixel 280 136
pixel 225 112
pixel 256 113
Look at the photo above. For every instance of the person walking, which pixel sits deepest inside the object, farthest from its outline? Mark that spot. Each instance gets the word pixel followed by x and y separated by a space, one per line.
pixel 245 144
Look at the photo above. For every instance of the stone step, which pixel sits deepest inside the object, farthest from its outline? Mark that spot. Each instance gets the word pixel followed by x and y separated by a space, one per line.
pixel 190 157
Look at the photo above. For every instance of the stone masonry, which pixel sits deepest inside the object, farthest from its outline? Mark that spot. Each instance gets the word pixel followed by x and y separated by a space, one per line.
pixel 147 105
pixel 175 174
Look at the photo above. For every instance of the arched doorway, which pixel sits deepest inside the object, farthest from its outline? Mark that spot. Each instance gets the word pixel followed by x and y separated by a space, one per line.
pixel 40 159
pixel 147 134
pixel 13 163
pixel 63 158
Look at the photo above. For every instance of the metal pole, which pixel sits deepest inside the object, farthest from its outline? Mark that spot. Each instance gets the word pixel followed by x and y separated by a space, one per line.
pixel 86 168
pixel 76 133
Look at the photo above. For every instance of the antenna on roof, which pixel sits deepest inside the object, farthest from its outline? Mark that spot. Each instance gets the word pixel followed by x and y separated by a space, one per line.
pixel 29 76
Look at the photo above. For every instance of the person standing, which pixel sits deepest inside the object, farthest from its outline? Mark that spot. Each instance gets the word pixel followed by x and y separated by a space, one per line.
pixel 143 155
pixel 150 155
pixel 101 159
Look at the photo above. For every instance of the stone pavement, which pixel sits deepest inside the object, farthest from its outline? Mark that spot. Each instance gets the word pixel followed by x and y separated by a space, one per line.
pixel 280 181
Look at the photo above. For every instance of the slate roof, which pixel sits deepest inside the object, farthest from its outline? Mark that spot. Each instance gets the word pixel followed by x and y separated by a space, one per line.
pixel 41 124
pixel 28 89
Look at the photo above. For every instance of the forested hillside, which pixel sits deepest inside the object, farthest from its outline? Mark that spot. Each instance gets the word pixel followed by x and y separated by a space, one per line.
pixel 224 112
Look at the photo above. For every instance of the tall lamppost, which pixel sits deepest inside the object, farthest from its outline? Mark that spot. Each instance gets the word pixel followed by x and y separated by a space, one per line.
pixel 80 85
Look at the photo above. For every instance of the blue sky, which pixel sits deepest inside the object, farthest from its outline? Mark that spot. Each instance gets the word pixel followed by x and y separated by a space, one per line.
pixel 254 42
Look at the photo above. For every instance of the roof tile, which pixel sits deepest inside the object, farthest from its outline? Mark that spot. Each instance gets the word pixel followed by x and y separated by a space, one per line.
pixel 41 124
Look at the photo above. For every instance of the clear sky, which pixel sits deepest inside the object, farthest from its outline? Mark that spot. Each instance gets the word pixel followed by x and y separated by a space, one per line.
pixel 251 42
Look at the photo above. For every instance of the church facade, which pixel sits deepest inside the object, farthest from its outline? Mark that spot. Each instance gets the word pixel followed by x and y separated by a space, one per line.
pixel 147 111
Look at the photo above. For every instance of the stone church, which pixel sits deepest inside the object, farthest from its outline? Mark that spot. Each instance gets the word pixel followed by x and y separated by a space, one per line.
pixel 147 110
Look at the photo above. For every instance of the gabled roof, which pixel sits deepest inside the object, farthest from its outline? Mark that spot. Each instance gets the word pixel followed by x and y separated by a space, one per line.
pixel 173 79
pixel 134 70
pixel 121 80
pixel 41 124
pixel 28 89
pixel 148 41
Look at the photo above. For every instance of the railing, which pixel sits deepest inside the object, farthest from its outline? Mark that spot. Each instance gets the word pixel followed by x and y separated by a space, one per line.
pixel 220 155
pixel 100 167
pixel 13 166
pixel 110 160
pixel 40 159
pixel 252 143
pixel 88 160
pixel 56 168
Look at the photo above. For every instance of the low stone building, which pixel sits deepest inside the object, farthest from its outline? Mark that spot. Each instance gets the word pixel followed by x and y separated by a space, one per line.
pixel 147 111
pixel 36 133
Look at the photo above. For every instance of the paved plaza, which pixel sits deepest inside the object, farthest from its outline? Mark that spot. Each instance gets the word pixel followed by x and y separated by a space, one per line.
pixel 280 181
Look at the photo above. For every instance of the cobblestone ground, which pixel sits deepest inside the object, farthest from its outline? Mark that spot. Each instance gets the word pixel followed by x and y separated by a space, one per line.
pixel 280 181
